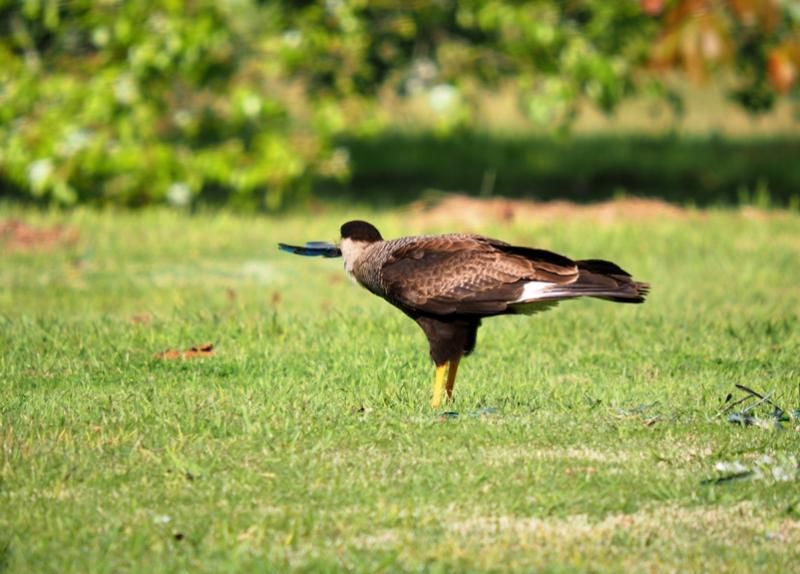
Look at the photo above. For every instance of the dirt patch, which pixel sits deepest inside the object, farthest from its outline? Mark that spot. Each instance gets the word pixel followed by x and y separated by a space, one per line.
pixel 17 235
pixel 475 212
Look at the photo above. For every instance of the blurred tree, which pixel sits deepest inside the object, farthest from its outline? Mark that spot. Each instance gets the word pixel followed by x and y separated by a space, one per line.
pixel 159 100
pixel 759 38
pixel 139 102
pixel 557 54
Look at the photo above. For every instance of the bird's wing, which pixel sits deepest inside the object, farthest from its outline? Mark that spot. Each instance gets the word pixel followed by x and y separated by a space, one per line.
pixel 468 274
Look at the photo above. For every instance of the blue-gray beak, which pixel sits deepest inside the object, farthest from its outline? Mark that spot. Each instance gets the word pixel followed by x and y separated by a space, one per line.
pixel 313 249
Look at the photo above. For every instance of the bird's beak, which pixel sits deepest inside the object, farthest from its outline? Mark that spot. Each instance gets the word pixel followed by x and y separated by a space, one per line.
pixel 313 249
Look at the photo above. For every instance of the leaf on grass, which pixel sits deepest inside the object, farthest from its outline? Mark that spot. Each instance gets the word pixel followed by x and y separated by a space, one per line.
pixel 18 235
pixel 198 351
pixel 141 319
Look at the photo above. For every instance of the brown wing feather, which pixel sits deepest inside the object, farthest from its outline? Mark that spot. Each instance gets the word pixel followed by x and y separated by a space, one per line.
pixel 603 280
pixel 467 274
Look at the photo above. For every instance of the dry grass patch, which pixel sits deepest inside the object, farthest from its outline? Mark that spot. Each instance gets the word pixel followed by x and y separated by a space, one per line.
pixel 657 538
pixel 678 525
pixel 506 455
pixel 662 537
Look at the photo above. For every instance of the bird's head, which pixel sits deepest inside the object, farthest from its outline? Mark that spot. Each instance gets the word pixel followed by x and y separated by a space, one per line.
pixel 356 236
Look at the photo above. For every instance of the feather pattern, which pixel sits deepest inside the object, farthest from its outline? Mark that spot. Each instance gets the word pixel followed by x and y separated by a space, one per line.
pixel 473 275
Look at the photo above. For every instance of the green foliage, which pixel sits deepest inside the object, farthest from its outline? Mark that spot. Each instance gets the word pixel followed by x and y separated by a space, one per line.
pixel 555 53
pixel 149 101
pixel 139 102
pixel 306 442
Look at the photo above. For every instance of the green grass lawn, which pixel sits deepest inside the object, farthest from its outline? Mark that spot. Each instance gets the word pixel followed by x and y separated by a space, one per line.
pixel 592 437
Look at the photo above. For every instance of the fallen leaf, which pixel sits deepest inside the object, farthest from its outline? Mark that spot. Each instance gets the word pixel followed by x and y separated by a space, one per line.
pixel 18 235
pixel 588 471
pixel 141 319
pixel 197 351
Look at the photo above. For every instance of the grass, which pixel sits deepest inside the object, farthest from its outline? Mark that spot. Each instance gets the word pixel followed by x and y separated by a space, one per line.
pixel 589 438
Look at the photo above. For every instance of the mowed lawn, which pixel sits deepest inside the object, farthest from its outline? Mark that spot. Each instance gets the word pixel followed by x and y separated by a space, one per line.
pixel 592 437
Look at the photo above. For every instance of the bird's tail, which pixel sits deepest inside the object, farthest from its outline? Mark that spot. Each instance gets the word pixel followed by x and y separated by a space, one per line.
pixel 597 278
pixel 606 280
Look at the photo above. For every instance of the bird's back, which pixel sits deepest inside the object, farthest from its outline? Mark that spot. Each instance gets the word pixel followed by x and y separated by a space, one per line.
pixel 368 269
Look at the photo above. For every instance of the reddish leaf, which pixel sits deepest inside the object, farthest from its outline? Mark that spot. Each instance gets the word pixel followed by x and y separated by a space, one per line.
pixel 652 7
pixel 16 234
pixel 198 351
pixel 781 71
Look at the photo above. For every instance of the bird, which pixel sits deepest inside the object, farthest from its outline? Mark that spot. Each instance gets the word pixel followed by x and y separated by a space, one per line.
pixel 449 283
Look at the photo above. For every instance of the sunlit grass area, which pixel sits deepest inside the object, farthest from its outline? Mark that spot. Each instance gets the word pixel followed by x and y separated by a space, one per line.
pixel 592 437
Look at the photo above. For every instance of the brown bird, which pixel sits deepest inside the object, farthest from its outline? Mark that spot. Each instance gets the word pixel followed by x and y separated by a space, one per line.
pixel 449 283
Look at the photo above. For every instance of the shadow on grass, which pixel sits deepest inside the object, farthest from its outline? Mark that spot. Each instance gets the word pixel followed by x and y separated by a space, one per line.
pixel 397 168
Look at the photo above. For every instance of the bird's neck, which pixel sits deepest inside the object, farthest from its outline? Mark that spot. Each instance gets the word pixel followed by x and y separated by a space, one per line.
pixel 362 261
pixel 352 252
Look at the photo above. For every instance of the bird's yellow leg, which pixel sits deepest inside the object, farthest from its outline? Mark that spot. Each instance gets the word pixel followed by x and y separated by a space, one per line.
pixel 451 377
pixel 438 385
